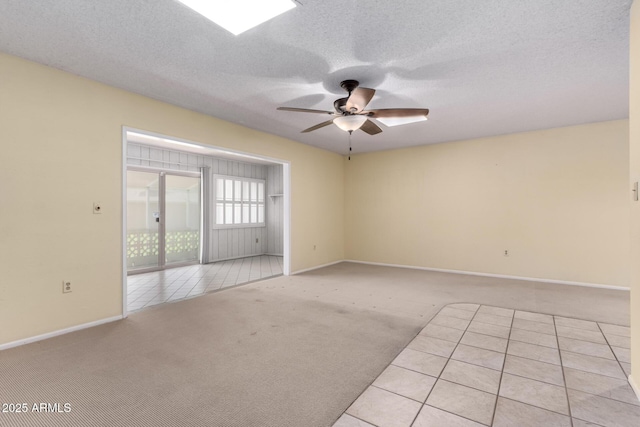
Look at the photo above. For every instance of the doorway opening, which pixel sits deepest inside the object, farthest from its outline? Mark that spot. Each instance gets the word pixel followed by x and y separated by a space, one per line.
pixel 175 242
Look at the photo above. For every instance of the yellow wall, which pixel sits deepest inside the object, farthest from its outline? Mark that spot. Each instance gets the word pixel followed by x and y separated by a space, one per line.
pixel 556 200
pixel 62 150
pixel 634 142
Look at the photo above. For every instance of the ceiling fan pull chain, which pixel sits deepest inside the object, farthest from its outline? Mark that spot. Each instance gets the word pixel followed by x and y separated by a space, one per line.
pixel 350 132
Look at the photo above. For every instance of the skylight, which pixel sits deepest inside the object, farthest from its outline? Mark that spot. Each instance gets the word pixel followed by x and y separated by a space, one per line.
pixel 237 16
pixel 396 121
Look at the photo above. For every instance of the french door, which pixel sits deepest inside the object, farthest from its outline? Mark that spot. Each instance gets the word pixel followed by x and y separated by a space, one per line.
pixel 163 219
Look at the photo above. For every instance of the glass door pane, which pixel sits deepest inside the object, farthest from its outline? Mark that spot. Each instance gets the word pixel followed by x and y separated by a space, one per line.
pixel 143 213
pixel 182 214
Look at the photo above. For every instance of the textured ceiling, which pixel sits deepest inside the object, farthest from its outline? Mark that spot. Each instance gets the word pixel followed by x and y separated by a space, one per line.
pixel 483 67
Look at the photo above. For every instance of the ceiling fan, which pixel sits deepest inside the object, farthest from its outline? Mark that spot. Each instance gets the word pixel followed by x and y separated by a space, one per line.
pixel 350 113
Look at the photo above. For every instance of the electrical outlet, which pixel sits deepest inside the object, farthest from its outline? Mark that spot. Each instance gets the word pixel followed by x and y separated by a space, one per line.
pixel 97 208
pixel 66 286
pixel 506 253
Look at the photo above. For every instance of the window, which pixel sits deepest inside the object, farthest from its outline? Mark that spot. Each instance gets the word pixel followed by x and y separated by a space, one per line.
pixel 239 202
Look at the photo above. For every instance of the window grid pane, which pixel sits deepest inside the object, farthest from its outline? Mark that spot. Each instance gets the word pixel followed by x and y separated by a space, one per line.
pixel 245 213
pixel 237 217
pixel 228 213
pixel 260 192
pixel 219 189
pixel 239 201
pixel 254 191
pixel 245 191
pixel 228 189
pixel 237 195
pixel 219 213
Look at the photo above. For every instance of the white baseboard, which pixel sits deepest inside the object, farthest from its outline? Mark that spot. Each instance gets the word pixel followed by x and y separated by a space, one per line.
pixel 59 332
pixel 635 387
pixel 500 276
pixel 316 267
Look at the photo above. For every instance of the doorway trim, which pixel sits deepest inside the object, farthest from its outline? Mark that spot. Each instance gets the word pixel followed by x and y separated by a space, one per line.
pixel 286 178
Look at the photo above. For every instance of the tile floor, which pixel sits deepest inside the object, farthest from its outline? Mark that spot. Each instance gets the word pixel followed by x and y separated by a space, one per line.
pixel 158 287
pixel 476 365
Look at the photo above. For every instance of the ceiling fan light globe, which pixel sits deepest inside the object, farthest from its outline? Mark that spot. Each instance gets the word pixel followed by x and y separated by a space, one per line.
pixel 350 123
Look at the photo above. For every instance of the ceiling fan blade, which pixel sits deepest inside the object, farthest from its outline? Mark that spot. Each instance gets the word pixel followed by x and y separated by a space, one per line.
pixel 370 128
pixel 359 99
pixel 304 110
pixel 318 126
pixel 397 112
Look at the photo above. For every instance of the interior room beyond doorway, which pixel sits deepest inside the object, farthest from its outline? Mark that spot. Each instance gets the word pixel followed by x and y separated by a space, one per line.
pixel 217 215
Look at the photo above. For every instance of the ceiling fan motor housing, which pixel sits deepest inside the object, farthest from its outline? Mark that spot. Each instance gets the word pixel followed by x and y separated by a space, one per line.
pixel 349 85
pixel 340 105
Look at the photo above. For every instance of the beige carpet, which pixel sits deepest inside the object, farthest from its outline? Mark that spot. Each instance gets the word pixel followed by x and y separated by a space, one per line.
pixel 290 351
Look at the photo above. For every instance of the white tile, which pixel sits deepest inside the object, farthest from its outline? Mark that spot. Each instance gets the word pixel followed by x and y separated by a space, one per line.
pixel 596 365
pixel 510 413
pixel 530 325
pixel 454 312
pixel 600 410
pixel 623 331
pixel 540 371
pixel 586 347
pixel 622 354
pixel 155 288
pixel 536 393
pixel 479 356
pixel 498 311
pixel 384 409
pixel 576 323
pixel 581 334
pixel 432 345
pixel 534 338
pixel 442 332
pixel 580 423
pixel 600 385
pixel 465 306
pixel 418 361
pixel 466 402
pixel 489 329
pixel 535 317
pixel 473 376
pixel 493 319
pixel 450 322
pixel 348 421
pixel 534 352
pixel 484 341
pixel 626 367
pixel 618 341
pixel 433 417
